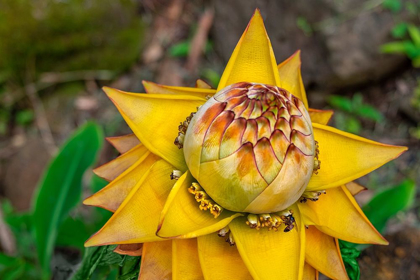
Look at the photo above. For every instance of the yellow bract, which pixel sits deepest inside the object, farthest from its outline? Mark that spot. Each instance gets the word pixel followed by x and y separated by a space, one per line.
pixel 261 250
pixel 176 221
pixel 253 58
pixel 290 78
pixel 180 240
pixel 323 253
pixel 345 157
pixel 213 253
pixel 156 261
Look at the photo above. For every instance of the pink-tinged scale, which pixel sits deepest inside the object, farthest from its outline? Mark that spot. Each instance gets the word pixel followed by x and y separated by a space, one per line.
pixel 257 110
pixel 251 132
pixel 301 142
pixel 263 128
pixel 271 119
pixel 235 102
pixel 279 140
pixel 232 139
pixel 283 113
pixel 248 111
pixel 284 127
pixel 209 116
pixel 267 163
pixel 238 110
pixel 213 137
pixel 301 125
pixel 293 111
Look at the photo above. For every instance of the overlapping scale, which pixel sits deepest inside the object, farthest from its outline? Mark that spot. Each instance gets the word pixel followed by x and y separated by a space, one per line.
pixel 253 112
pixel 265 121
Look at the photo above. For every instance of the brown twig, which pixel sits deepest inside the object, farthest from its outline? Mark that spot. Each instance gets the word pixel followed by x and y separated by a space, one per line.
pixel 64 77
pixel 199 41
pixel 49 79
pixel 41 118
pixel 7 240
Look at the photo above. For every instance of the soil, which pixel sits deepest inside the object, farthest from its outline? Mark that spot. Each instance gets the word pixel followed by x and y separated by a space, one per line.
pixel 399 260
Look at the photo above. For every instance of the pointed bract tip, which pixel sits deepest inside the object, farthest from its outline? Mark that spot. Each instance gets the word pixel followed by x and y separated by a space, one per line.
pixel 256 15
pixel 108 90
pixel 382 240
pixel 402 150
pixel 294 59
pixel 146 83
pixel 296 56
pixel 89 242
pixel 88 201
pixel 105 88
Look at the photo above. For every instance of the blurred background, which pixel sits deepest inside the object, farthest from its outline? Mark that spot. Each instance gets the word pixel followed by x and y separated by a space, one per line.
pixel 359 57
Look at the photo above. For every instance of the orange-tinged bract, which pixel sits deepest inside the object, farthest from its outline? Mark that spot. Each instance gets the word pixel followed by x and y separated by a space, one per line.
pixel 242 182
pixel 249 137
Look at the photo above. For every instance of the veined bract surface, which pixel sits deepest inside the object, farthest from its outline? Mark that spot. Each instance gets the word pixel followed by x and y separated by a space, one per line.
pixel 248 163
pixel 251 148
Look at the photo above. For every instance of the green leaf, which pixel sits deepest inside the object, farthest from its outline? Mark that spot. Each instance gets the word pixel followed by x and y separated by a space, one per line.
pixel 180 50
pixel 91 260
pixel 97 258
pixel 340 102
pixel 416 62
pixel 72 233
pixel 350 255
pixel 97 183
pixel 414 34
pixel 393 5
pixel 109 257
pixel 388 203
pixel 11 268
pixel 412 8
pixel 356 101
pixel 15 273
pixel 101 216
pixel 19 222
pixel 6 206
pixel 411 50
pixel 212 76
pixel 130 268
pixel 393 47
pixel 60 188
pixel 352 125
pixel 24 117
pixel 133 275
pixel 399 30
pixel 21 226
pixel 369 112
pixel 304 25
pixel 113 274
pixel 7 261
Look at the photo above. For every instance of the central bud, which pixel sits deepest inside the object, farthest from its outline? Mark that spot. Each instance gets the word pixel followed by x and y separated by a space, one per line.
pixel 251 148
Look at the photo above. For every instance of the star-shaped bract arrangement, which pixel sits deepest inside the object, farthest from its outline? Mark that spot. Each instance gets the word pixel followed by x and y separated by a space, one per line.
pixel 162 212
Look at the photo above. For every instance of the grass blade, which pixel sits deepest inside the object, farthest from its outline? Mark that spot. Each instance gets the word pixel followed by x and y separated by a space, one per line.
pixel 60 189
